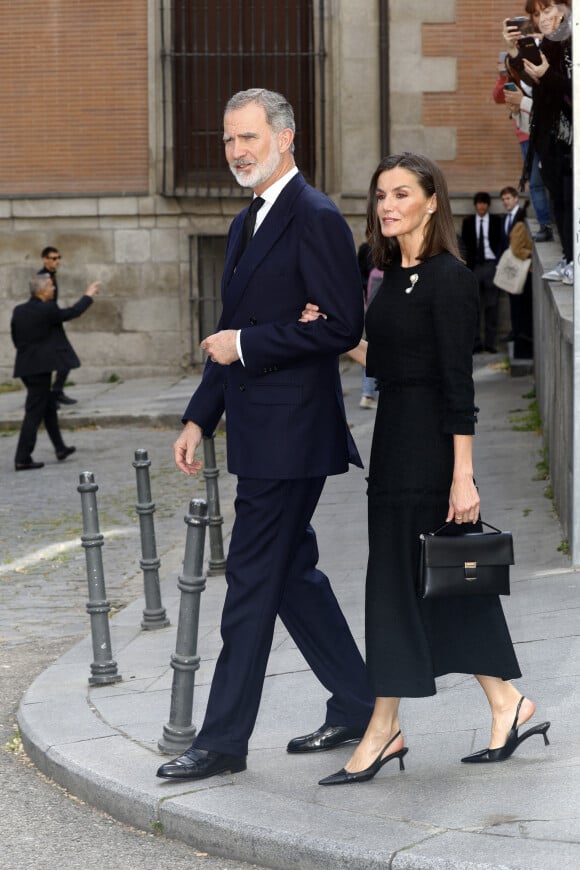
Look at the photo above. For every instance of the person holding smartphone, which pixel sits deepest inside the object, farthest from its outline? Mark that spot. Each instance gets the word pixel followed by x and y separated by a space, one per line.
pixel 551 119
pixel 518 99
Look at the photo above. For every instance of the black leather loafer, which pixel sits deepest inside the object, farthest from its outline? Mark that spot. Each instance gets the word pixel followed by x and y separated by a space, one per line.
pixel 326 737
pixel 67 451
pixel 65 400
pixel 27 466
pixel 200 764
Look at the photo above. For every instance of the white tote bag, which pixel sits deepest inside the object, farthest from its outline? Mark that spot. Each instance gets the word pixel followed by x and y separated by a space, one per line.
pixel 511 273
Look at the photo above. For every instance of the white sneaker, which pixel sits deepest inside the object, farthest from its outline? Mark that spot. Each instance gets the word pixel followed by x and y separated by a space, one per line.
pixel 368 402
pixel 557 272
pixel 568 275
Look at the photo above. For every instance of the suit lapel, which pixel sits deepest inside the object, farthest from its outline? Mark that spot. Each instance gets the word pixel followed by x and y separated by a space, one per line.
pixel 236 280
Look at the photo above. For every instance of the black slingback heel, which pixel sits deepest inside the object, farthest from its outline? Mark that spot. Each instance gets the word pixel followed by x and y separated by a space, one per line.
pixel 485 756
pixel 343 776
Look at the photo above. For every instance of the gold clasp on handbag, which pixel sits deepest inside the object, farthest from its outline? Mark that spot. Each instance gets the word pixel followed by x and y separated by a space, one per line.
pixel 470 567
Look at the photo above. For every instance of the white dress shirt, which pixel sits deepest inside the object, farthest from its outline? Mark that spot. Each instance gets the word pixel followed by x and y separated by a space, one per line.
pixel 270 195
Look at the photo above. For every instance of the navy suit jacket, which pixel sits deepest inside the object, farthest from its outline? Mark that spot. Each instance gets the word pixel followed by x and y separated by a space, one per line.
pixel 40 341
pixel 505 239
pixel 284 409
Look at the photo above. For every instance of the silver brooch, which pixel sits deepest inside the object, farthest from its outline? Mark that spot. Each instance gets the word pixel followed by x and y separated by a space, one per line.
pixel 414 278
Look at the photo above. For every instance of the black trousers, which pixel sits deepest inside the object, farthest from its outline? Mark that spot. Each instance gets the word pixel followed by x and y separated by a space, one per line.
pixel 488 304
pixel 556 171
pixel 271 571
pixel 60 380
pixel 40 408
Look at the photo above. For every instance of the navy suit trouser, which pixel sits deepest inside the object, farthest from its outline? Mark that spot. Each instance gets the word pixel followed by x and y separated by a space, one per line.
pixel 271 570
pixel 40 408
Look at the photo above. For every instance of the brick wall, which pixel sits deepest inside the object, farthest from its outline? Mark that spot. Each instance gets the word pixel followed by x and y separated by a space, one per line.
pixel 73 100
pixel 488 153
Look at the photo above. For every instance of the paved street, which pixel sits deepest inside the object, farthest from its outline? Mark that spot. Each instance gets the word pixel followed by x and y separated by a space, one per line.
pixel 102 742
pixel 43 595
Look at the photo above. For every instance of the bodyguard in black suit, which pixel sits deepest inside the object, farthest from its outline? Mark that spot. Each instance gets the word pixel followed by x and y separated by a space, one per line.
pixel 51 260
pixel 278 381
pixel 41 348
pixel 481 237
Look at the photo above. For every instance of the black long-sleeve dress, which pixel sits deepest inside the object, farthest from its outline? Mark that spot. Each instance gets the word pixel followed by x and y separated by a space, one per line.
pixel 420 329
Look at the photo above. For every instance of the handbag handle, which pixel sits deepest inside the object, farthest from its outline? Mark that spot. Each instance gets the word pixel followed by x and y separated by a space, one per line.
pixel 483 523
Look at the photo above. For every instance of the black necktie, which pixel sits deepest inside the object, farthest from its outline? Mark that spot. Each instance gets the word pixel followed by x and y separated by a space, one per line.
pixel 480 245
pixel 250 223
pixel 508 224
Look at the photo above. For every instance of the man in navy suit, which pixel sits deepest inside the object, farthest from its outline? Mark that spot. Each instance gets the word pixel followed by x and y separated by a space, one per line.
pixel 278 382
pixel 41 348
pixel 521 313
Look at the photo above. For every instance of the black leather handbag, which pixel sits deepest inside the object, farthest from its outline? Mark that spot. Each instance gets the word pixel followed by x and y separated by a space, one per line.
pixel 476 563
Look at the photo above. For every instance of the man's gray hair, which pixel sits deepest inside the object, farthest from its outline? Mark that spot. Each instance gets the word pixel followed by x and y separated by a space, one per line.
pixel 279 112
pixel 37 283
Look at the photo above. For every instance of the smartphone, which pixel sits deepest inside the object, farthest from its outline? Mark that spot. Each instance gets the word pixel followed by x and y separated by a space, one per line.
pixel 510 86
pixel 528 49
pixel 518 21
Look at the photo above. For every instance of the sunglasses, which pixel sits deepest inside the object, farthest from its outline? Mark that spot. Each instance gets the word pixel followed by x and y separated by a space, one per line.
pixel 54 257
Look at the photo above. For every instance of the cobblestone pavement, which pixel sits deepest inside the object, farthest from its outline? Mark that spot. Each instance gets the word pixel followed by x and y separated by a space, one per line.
pixel 43 595
pixel 43 584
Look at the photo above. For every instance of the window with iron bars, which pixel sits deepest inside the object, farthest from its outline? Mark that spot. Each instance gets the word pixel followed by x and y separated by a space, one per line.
pixel 213 48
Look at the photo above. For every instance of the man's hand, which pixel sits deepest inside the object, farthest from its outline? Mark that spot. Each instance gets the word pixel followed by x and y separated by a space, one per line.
pixel 185 447
pixel 221 347
pixel 93 288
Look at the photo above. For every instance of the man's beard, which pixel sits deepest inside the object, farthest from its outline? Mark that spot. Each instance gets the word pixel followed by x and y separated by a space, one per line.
pixel 261 171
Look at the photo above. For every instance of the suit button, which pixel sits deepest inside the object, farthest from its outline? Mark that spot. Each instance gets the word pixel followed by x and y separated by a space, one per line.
pixel 253 321
pixel 242 388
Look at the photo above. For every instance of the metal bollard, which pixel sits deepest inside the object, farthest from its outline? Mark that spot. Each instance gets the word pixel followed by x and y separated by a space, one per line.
pixel 217 561
pixel 154 615
pixel 179 732
pixel 103 669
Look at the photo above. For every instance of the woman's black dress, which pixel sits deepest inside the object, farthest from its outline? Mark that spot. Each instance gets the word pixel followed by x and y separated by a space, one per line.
pixel 420 350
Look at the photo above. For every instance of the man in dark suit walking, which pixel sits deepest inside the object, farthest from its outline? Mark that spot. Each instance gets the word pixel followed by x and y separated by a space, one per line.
pixel 51 261
pixel 41 348
pixel 278 381
pixel 481 236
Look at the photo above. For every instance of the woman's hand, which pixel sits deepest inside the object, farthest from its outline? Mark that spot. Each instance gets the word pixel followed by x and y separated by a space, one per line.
pixel 463 496
pixel 511 36
pixel 313 312
pixel 463 500
pixel 536 71
pixel 310 313
pixel 513 100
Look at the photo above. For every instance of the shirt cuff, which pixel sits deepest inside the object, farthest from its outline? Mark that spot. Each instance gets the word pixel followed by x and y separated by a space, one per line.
pixel 239 347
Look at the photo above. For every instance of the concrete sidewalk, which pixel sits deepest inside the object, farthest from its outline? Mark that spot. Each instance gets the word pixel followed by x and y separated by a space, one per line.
pixel 101 743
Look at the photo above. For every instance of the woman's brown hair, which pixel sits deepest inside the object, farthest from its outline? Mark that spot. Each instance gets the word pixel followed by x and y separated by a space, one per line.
pixel 440 234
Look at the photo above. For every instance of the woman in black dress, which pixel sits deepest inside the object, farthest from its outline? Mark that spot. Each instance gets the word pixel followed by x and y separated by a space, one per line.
pixel 420 329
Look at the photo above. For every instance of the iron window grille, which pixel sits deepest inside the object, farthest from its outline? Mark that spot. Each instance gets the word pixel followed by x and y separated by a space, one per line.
pixel 210 49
